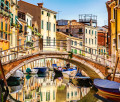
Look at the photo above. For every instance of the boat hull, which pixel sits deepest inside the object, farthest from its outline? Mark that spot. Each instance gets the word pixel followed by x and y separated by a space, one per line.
pixel 108 87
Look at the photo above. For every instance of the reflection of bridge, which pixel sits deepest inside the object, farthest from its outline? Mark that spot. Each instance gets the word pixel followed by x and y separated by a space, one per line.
pixel 14 58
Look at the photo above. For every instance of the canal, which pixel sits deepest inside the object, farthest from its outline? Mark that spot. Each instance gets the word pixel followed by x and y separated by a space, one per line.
pixel 49 87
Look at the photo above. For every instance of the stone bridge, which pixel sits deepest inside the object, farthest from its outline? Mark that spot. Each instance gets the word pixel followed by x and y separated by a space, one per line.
pixel 93 68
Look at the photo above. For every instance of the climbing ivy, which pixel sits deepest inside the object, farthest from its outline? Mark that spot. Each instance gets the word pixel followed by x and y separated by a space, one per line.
pixel 70 54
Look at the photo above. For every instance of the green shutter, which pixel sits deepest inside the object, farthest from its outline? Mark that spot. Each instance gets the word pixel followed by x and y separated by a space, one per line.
pixel 53 95
pixel 47 25
pixel 67 95
pixel 42 24
pixel 16 19
pixel 6 27
pixel 2 25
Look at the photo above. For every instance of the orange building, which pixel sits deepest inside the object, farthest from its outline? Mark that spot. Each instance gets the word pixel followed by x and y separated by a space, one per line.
pixel 5 16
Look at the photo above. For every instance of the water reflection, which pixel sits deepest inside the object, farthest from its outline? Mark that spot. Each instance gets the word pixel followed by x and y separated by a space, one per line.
pixel 47 89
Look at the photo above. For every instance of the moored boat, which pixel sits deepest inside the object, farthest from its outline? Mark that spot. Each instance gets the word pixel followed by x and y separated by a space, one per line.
pixel 107 87
pixel 41 69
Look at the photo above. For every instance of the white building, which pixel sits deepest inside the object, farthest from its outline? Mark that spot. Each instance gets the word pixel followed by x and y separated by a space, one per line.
pixel 28 19
pixel 90 41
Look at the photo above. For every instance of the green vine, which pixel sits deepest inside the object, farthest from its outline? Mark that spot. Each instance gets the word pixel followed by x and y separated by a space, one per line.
pixel 70 54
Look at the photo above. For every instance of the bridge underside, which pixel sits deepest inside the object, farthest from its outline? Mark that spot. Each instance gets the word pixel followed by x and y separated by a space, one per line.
pixel 12 66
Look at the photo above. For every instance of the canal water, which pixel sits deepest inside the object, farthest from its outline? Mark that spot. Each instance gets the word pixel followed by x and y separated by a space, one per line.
pixel 51 88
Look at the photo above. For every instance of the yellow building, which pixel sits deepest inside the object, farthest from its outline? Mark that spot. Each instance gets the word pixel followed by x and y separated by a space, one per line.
pixel 113 7
pixel 14 23
pixel 4 24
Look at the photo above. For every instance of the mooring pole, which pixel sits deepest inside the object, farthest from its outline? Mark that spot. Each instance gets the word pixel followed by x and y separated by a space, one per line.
pixel 2 75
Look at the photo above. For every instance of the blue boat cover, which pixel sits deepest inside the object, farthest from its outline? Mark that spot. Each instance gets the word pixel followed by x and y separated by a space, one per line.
pixel 106 84
pixel 54 65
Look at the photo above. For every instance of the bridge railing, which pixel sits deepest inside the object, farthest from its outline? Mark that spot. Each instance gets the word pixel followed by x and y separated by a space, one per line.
pixel 93 54
pixel 18 51
pixel 55 45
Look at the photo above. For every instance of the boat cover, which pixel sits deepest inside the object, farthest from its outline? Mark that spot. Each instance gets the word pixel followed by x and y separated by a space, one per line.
pixel 106 84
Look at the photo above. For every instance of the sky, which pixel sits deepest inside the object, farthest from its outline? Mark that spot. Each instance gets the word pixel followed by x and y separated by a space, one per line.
pixel 70 9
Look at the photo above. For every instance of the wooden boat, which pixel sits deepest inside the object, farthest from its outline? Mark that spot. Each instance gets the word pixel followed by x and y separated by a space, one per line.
pixel 71 72
pixel 108 87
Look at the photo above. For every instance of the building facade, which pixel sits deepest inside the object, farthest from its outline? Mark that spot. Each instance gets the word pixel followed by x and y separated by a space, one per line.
pixel 114 19
pixel 5 32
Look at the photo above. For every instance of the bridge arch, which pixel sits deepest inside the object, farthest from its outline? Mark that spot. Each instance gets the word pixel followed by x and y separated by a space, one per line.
pixel 90 69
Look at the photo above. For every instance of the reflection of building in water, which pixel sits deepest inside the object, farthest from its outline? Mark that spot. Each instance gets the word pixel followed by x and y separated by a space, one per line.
pixel 74 93
pixel 37 90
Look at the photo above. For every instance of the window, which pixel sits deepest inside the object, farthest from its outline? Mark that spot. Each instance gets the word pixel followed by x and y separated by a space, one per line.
pixel 80 51
pixel 92 41
pixel 48 14
pixel 72 42
pixel 42 24
pixel 2 3
pixel 92 32
pixel 55 16
pixel 114 13
pixel 89 50
pixel 72 94
pixel 95 33
pixel 89 31
pixel 75 51
pixel 95 42
pixel 30 23
pixel 86 49
pixel 6 27
pixel 54 27
pixel 75 43
pixel 7 5
pixel 47 25
pixel 67 95
pixel 76 93
pixel 80 30
pixel 53 95
pixel 27 21
pixel 86 40
pixel 99 51
pixel 6 36
pixel 80 43
pixel 16 19
pixel 104 51
pixel 86 31
pixel 2 25
pixel 54 41
pixel 41 96
pixel 2 35
pixel 42 12
pixel 89 40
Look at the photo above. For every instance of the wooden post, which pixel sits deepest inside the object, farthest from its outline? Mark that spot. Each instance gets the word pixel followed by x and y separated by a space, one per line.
pixel 2 75
pixel 116 64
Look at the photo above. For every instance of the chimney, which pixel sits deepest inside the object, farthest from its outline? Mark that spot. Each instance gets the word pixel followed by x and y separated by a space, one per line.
pixel 40 5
